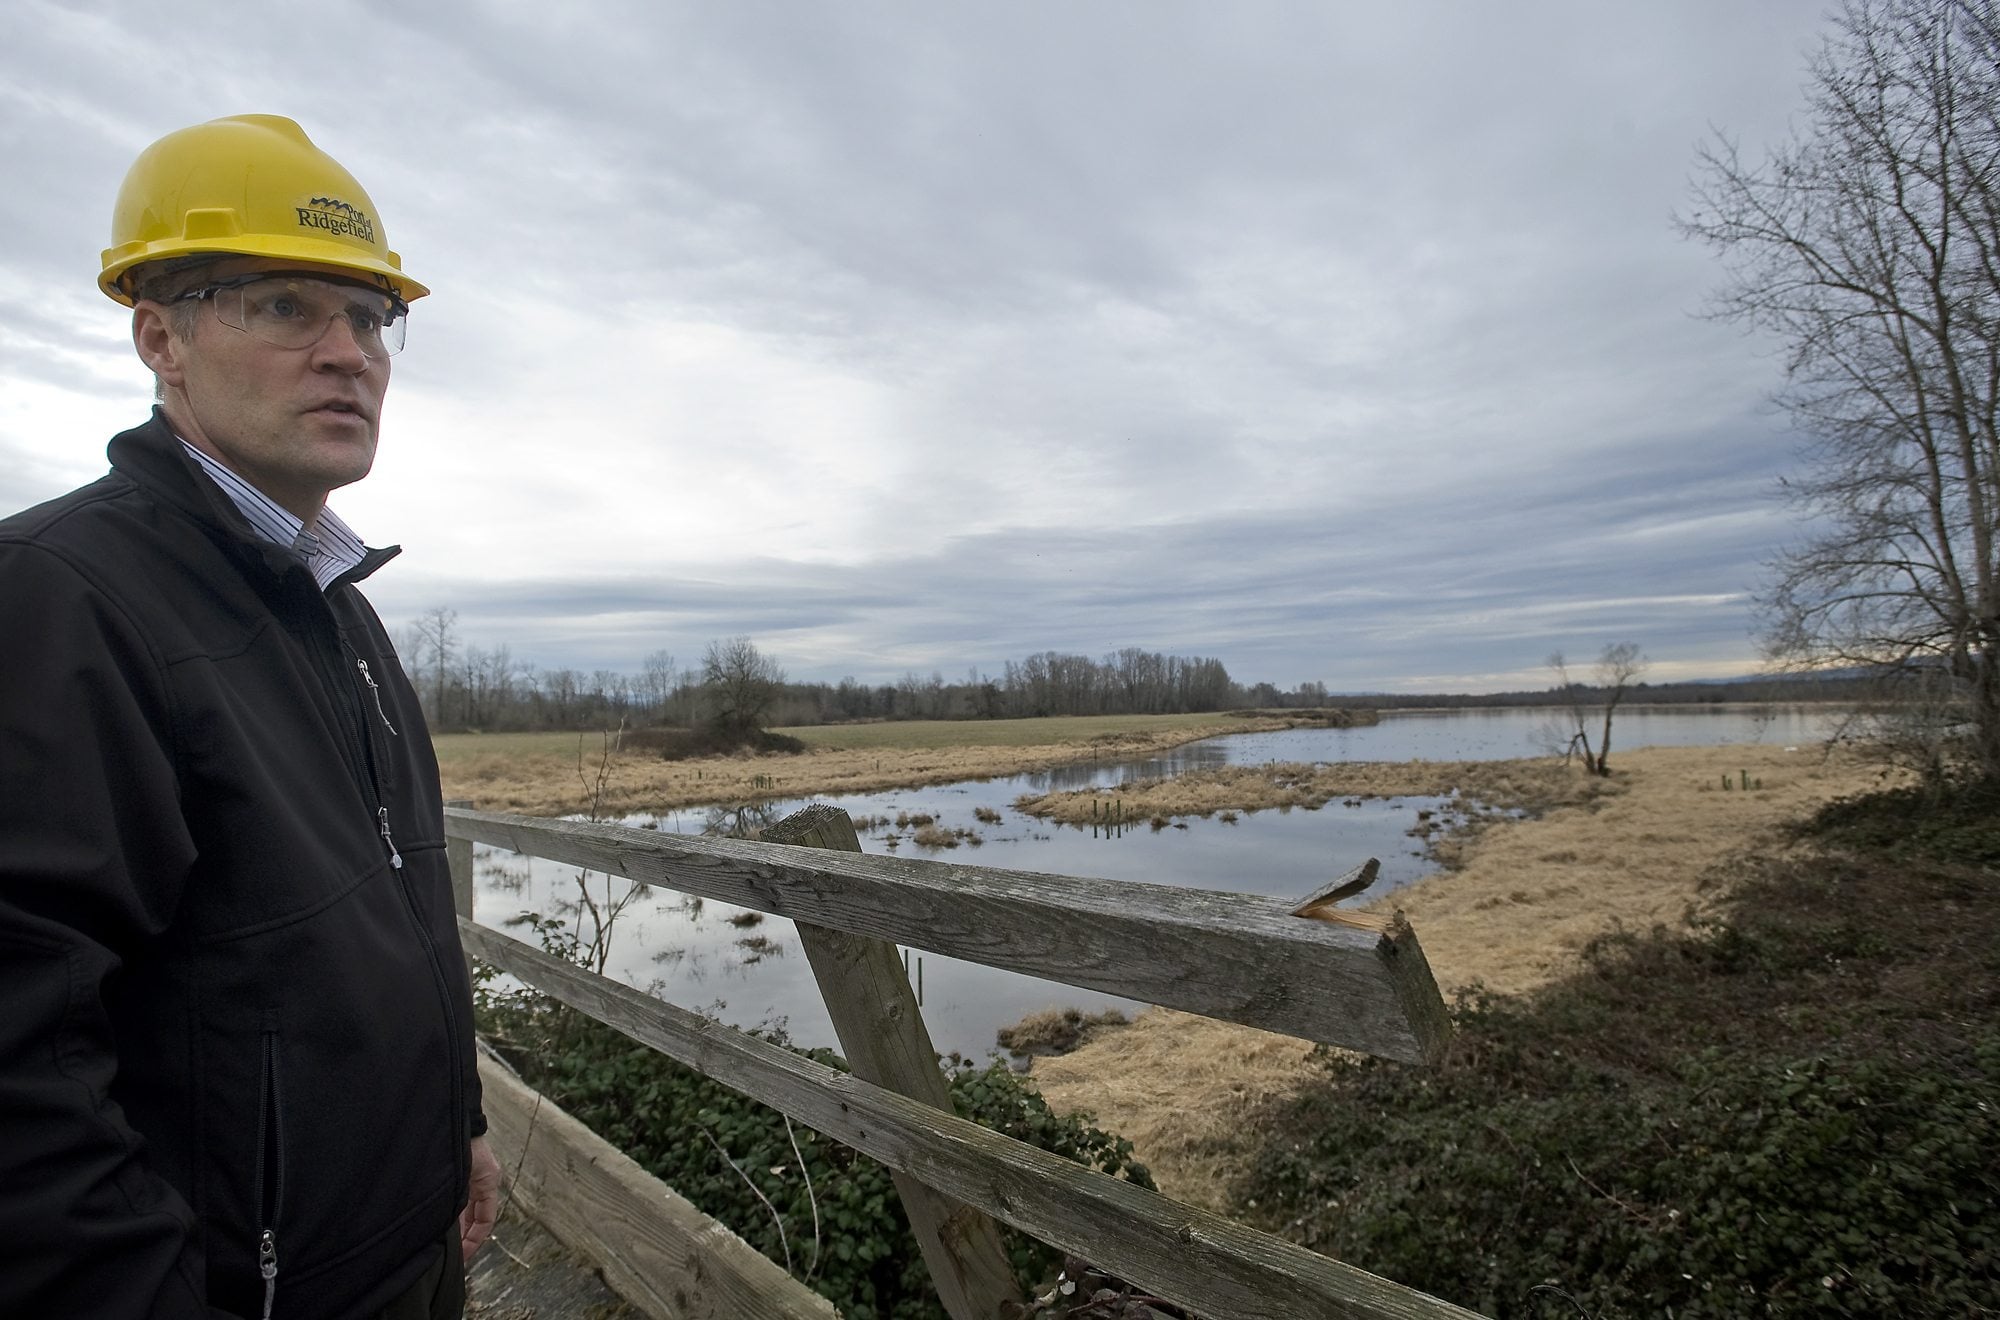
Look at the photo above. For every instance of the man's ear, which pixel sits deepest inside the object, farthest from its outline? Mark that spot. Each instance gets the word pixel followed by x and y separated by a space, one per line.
pixel 159 348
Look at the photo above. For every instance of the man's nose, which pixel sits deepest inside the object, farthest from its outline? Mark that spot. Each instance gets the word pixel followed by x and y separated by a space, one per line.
pixel 338 348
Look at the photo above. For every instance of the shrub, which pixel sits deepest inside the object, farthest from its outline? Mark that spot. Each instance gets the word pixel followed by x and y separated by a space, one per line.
pixel 1956 821
pixel 1793 1109
pixel 705 1140
pixel 710 740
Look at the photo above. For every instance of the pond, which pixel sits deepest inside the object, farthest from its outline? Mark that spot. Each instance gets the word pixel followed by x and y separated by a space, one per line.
pixel 749 970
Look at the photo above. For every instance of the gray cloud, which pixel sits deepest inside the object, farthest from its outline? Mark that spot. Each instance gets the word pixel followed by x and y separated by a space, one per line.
pixel 1346 342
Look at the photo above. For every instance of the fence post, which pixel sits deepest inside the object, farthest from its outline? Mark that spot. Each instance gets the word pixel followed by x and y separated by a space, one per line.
pixel 458 857
pixel 882 1033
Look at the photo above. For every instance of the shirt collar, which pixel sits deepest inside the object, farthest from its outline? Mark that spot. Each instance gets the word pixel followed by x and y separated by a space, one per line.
pixel 330 549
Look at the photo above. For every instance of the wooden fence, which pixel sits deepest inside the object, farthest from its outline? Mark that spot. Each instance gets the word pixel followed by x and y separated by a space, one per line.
pixel 1307 969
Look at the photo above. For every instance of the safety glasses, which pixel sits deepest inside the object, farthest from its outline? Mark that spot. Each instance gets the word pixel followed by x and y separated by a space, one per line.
pixel 294 311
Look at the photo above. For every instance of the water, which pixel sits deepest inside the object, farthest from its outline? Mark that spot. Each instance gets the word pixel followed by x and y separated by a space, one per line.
pixel 748 968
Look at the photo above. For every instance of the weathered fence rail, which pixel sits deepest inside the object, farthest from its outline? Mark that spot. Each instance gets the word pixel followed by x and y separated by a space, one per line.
pixel 1344 980
pixel 1357 981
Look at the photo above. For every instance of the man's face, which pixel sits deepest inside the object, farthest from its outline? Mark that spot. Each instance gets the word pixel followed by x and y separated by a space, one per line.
pixel 294 422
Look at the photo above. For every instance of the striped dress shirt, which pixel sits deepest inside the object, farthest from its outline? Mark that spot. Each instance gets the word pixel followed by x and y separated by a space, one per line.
pixel 329 550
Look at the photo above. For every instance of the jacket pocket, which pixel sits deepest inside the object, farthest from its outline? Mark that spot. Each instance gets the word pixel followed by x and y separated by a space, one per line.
pixel 270 1180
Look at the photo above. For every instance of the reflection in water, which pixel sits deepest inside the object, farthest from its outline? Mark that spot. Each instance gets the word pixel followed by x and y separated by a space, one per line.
pixel 688 951
pixel 747 821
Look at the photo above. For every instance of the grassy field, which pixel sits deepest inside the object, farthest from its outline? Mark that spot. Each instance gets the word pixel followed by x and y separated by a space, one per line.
pixel 554 774
pixel 888 735
pixel 931 734
pixel 457 748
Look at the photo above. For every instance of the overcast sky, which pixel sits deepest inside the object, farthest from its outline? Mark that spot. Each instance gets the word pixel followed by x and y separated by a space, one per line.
pixel 1350 342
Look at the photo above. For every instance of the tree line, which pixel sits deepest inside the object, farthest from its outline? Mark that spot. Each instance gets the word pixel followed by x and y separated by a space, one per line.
pixel 735 684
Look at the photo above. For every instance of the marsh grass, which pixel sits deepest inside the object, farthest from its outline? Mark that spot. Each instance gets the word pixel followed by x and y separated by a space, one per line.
pixel 940 836
pixel 1522 902
pixel 1105 731
pixel 756 948
pixel 1055 1030
pixel 1512 786
pixel 535 773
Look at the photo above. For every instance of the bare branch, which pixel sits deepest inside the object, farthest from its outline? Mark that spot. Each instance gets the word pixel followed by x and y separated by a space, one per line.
pixel 1870 243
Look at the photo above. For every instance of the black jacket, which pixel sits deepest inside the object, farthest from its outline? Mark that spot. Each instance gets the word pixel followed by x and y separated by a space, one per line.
pixel 232 998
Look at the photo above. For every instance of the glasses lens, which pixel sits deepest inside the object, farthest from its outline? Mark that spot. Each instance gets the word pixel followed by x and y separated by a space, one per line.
pixel 293 312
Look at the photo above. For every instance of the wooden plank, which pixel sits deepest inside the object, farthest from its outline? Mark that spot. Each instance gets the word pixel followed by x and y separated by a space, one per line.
pixel 525 1272
pixel 882 1034
pixel 1239 957
pixel 658 1252
pixel 458 859
pixel 1198 1260
pixel 1320 902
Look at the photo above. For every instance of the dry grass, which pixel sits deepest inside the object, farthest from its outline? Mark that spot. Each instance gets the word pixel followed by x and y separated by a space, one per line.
pixel 1510 785
pixel 1524 898
pixel 1182 1089
pixel 540 775
pixel 1109 730
pixel 1056 1030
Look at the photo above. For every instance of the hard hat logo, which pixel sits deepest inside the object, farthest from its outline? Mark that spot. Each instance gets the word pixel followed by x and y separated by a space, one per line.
pixel 337 218
pixel 248 185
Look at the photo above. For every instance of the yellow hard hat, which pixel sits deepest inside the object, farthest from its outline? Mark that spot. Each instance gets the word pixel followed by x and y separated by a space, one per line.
pixel 248 185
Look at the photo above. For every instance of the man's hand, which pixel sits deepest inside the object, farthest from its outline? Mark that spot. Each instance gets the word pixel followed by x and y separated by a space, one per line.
pixel 482 1199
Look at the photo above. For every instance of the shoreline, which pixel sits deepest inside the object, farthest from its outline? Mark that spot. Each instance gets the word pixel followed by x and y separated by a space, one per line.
pixel 1512 915
pixel 1482 789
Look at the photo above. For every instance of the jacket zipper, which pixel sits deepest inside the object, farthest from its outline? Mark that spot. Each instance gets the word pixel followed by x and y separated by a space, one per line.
pixel 395 858
pixel 381 812
pixel 349 714
pixel 372 766
pixel 270 1172
pixel 368 768
pixel 369 679
pixel 267 1265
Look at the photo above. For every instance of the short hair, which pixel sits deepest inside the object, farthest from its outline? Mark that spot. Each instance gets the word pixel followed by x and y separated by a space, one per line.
pixel 165 282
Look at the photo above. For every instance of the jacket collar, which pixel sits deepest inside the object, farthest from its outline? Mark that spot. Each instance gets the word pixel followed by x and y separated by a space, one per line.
pixel 152 458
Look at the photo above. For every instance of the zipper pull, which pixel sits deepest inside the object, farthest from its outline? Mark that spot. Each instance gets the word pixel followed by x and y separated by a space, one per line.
pixel 369 679
pixel 395 858
pixel 267 1265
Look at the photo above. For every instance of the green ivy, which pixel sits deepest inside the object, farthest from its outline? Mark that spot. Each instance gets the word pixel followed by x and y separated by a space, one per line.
pixel 711 1145
pixel 1790 1110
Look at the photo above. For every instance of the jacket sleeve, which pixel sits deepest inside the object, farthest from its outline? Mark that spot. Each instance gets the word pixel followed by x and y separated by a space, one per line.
pixel 93 853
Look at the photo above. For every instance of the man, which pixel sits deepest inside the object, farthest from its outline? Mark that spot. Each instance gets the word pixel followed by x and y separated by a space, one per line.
pixel 236 1068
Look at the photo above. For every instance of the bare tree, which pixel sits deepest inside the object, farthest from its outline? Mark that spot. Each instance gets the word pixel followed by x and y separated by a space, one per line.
pixel 1871 244
pixel 656 683
pixel 742 684
pixel 910 689
pixel 437 630
pixel 1618 667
